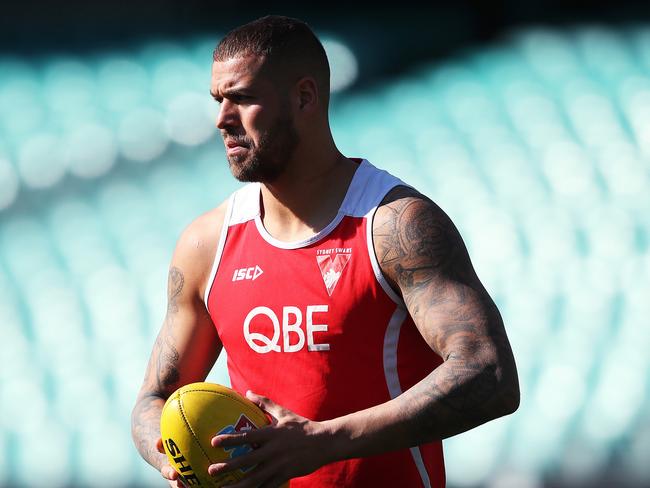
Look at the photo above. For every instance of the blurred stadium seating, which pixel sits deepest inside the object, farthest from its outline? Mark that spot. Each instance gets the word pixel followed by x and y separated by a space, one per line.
pixel 538 147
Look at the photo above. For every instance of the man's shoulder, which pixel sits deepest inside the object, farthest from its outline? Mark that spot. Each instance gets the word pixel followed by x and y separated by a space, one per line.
pixel 410 231
pixel 196 247
pixel 408 204
pixel 198 241
pixel 400 192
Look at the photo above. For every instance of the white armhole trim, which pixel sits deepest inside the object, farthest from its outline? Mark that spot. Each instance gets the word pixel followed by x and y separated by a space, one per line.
pixel 370 217
pixel 220 246
pixel 391 341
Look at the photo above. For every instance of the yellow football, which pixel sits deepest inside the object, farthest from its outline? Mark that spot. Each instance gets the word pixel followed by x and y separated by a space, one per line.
pixel 194 414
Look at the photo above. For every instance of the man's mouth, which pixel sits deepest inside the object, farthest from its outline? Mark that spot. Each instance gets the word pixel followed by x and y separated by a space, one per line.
pixel 235 147
pixel 234 143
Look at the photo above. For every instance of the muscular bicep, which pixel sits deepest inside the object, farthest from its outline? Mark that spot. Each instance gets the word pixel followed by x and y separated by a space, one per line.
pixel 424 258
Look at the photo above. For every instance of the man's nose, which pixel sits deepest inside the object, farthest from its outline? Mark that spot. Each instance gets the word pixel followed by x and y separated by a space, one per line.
pixel 228 115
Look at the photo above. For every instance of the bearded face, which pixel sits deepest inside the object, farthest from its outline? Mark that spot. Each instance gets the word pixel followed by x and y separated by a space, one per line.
pixel 255 118
pixel 265 160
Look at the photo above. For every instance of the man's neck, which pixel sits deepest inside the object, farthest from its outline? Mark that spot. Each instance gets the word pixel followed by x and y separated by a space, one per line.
pixel 307 197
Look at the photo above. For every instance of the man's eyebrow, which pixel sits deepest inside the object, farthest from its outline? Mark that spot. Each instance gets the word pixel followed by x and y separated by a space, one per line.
pixel 229 92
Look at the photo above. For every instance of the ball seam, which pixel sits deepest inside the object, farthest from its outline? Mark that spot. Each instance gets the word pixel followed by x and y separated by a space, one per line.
pixel 232 397
pixel 189 427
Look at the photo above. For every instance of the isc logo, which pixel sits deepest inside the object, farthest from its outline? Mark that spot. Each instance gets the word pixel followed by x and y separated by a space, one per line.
pixel 247 273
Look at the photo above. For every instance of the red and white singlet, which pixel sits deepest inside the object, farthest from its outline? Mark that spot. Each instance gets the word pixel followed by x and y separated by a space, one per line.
pixel 314 326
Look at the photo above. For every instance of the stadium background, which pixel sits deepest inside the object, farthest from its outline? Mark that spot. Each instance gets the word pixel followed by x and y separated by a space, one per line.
pixel 528 122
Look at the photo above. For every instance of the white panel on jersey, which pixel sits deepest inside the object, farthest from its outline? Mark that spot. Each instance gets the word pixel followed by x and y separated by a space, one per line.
pixel 246 204
pixel 375 263
pixel 391 340
pixel 369 187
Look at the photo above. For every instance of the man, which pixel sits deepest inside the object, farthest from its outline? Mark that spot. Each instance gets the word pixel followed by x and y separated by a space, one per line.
pixel 345 299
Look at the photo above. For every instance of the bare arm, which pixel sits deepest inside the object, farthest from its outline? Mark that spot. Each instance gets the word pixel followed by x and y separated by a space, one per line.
pixel 187 345
pixel 422 255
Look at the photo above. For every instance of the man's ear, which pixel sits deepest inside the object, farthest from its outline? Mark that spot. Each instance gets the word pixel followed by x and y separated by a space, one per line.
pixel 307 91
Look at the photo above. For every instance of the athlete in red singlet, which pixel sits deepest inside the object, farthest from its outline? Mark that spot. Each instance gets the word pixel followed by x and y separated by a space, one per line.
pixel 314 325
pixel 345 299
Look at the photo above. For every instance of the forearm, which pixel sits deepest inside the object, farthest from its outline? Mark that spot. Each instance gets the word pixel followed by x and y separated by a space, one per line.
pixel 145 429
pixel 455 397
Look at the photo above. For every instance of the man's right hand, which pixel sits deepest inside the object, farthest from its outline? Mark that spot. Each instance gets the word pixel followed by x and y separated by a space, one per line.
pixel 169 473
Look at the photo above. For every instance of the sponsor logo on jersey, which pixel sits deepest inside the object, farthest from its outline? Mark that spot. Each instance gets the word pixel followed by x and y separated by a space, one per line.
pixel 243 424
pixel 331 263
pixel 251 273
pixel 264 331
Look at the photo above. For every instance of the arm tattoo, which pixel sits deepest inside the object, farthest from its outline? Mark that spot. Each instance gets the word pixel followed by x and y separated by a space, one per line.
pixel 162 378
pixel 423 257
pixel 145 429
pixel 167 367
pixel 167 358
pixel 174 288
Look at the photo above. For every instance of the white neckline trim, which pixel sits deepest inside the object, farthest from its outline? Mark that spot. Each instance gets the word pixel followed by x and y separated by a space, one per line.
pixel 349 194
pixel 297 244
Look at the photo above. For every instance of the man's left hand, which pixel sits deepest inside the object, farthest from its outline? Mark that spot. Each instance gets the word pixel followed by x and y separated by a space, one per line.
pixel 291 446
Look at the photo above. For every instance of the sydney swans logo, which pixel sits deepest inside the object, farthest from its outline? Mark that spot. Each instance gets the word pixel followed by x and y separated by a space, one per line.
pixel 332 262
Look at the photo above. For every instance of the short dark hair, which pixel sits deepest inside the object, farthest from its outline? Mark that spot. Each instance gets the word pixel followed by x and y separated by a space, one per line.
pixel 286 43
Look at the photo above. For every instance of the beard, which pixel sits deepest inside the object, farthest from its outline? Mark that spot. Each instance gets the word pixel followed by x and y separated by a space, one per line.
pixel 266 161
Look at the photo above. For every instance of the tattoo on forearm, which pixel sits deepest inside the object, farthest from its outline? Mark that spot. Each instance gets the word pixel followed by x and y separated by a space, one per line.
pixel 162 376
pixel 145 428
pixel 465 396
pixel 424 258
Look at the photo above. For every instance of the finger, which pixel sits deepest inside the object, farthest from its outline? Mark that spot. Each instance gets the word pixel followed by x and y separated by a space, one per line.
pixel 250 437
pixel 168 472
pixel 159 446
pixel 263 402
pixel 248 460
pixel 172 477
pixel 274 410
